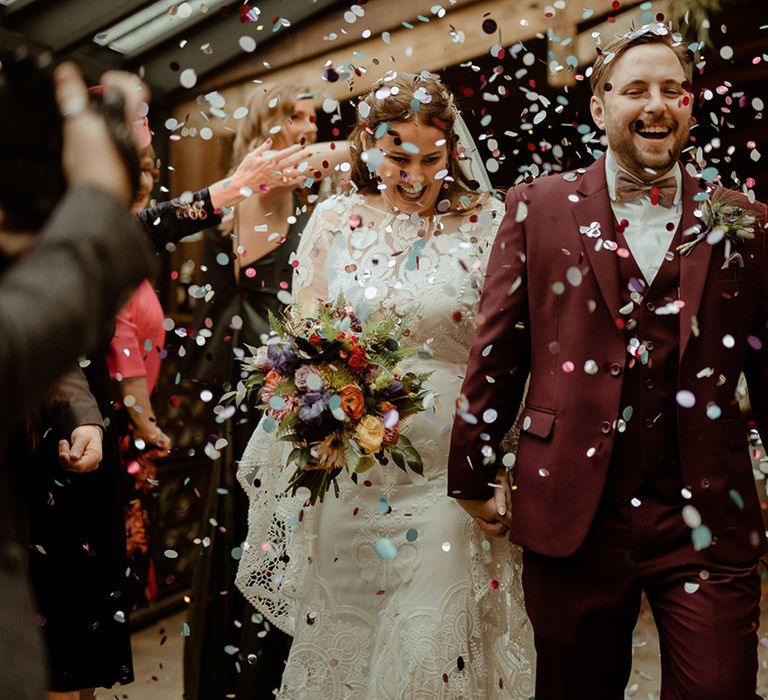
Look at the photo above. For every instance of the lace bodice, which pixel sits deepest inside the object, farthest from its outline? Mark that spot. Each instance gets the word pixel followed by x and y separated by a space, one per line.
pixel 384 260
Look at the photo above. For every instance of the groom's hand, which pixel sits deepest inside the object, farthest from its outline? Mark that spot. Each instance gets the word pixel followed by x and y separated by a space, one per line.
pixel 493 516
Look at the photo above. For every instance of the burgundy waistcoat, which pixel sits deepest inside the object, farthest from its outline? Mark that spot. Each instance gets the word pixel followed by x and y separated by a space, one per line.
pixel 645 446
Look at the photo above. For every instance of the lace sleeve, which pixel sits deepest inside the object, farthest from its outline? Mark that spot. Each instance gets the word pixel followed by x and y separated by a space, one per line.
pixel 314 257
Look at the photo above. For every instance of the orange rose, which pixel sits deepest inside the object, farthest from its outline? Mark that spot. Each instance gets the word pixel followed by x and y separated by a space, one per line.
pixel 352 401
pixel 270 383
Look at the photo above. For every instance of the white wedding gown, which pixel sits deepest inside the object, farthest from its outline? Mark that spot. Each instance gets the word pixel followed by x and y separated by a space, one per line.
pixel 390 591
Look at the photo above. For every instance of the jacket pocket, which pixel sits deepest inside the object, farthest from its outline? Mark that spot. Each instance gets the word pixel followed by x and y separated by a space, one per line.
pixel 536 421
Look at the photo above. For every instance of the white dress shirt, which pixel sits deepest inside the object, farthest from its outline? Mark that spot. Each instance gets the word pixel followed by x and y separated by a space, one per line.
pixel 650 227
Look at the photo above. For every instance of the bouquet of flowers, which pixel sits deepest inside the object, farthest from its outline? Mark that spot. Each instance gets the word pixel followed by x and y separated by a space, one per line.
pixel 332 385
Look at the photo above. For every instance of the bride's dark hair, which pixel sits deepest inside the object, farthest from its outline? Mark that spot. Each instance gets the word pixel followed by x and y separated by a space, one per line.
pixel 393 99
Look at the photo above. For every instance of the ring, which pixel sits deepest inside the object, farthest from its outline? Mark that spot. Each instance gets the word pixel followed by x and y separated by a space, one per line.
pixel 74 106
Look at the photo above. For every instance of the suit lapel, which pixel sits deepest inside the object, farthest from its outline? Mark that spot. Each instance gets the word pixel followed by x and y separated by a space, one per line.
pixel 593 212
pixel 693 267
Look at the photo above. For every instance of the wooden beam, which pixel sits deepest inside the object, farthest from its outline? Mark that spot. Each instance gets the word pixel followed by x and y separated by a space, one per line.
pixel 428 46
pixel 313 39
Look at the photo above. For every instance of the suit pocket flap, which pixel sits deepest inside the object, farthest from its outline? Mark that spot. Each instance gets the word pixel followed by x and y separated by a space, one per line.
pixel 735 434
pixel 536 422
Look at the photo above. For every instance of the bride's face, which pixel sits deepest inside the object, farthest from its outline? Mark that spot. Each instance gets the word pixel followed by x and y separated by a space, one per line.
pixel 413 154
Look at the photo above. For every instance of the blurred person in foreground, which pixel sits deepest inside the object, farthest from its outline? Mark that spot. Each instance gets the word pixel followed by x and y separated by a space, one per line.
pixel 62 277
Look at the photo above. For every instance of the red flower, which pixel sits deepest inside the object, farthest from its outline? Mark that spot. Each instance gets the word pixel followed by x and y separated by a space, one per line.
pixel 315 339
pixel 391 436
pixel 357 360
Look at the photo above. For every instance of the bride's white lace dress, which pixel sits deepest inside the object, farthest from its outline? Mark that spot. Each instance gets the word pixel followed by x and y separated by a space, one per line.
pixel 390 590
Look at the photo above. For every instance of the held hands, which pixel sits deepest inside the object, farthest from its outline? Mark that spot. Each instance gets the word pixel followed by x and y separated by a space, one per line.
pixel 85 453
pixel 493 516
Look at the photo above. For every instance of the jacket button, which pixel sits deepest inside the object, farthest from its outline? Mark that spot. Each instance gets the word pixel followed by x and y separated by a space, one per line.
pixel 605 427
pixel 705 483
pixel 649 423
pixel 649 384
pixel 615 369
pixel 650 306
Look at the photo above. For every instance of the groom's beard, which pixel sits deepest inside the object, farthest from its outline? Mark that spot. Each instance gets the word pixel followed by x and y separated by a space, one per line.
pixel 639 158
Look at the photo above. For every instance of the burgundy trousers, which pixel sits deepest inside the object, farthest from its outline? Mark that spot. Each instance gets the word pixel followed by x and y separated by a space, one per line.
pixel 584 607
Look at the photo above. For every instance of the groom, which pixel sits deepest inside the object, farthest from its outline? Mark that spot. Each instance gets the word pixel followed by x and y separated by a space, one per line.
pixel 633 473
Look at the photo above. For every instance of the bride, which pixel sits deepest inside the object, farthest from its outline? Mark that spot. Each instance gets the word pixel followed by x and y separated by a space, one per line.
pixel 391 590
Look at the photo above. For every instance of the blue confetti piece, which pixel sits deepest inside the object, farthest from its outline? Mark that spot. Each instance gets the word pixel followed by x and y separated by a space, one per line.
pixel 269 425
pixel 411 262
pixel 185 630
pixel 237 553
pixel 412 535
pixel 736 498
pixel 702 537
pixel 231 650
pixel 385 549
pixel 381 129
pixel 383 506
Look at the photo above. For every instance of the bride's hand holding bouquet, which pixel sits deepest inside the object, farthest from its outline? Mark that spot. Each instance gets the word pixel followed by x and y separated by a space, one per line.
pixel 332 385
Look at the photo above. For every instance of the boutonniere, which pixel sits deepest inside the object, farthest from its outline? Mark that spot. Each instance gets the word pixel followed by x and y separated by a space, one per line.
pixel 722 219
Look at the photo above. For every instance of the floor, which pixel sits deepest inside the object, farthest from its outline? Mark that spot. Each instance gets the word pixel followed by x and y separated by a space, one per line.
pixel 158 661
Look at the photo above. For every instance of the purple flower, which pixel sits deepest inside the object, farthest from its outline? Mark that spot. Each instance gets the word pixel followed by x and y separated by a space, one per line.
pixel 282 358
pixel 394 388
pixel 313 406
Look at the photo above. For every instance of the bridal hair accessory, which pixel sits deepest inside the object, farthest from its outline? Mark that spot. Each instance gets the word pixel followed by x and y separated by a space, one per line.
pixel 470 161
pixel 332 386
pixel 722 218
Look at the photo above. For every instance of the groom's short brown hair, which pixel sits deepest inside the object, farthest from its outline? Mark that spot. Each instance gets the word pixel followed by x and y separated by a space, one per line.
pixel 608 54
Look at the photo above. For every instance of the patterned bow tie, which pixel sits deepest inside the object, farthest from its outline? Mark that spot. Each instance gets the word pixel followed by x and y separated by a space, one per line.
pixel 630 190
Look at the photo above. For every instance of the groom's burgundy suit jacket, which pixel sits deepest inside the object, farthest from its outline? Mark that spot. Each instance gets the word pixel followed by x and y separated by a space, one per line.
pixel 550 308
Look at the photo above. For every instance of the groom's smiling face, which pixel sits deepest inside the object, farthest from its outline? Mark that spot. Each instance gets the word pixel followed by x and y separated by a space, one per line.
pixel 645 110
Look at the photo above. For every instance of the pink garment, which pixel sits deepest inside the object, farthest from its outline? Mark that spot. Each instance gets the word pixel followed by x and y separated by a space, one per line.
pixel 139 337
